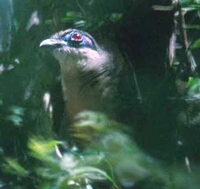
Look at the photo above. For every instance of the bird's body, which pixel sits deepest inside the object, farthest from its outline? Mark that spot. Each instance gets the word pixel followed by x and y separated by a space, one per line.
pixel 86 72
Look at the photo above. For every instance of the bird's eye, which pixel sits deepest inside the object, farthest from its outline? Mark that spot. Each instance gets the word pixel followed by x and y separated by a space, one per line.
pixel 76 37
pixel 78 40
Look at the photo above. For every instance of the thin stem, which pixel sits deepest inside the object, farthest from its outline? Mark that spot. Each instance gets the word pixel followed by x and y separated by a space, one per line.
pixel 83 11
pixel 139 95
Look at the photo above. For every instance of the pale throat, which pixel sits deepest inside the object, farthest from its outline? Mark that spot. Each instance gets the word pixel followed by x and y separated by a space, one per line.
pixel 79 95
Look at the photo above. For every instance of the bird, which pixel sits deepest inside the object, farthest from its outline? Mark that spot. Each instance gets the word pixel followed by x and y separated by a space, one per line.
pixel 88 73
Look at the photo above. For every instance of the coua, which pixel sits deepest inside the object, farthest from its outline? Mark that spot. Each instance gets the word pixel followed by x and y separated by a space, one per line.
pixel 87 72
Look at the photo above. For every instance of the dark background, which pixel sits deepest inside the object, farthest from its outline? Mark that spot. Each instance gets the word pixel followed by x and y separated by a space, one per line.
pixel 140 34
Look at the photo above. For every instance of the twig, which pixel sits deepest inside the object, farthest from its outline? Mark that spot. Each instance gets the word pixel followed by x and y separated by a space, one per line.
pixel 162 8
pixel 83 11
pixel 182 24
pixel 139 96
pixel 190 62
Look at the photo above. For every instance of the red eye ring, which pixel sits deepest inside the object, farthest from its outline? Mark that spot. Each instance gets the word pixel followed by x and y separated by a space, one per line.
pixel 77 37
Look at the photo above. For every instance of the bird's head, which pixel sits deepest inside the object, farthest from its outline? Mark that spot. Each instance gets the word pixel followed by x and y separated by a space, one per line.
pixel 71 38
pixel 76 47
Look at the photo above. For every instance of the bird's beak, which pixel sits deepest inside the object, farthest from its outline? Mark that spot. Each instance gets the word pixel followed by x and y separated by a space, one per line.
pixel 52 42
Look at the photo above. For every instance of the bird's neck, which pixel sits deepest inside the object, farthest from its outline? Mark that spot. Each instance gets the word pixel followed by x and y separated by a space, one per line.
pixel 83 82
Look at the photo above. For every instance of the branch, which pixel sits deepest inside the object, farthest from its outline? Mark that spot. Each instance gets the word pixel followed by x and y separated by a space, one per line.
pixel 190 62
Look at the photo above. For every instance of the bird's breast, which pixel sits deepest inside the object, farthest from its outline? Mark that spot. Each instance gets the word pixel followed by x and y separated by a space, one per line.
pixel 85 78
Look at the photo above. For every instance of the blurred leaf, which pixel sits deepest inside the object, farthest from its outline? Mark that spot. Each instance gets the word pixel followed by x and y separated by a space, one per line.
pixel 190 2
pixel 196 1
pixel 14 167
pixel 73 14
pixel 97 26
pixel 16 115
pixel 95 120
pixel 80 23
pixel 42 150
pixel 69 161
pixel 67 170
pixel 50 21
pixel 91 173
pixel 187 9
pixel 67 19
pixel 17 110
pixel 15 119
pixel 1 151
pixel 196 44
pixel 115 17
pixel 50 172
pixel 63 182
pixel 192 27
pixel 194 87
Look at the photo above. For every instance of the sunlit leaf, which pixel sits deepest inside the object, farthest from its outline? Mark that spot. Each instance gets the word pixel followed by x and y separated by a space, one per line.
pixel 41 149
pixel 194 87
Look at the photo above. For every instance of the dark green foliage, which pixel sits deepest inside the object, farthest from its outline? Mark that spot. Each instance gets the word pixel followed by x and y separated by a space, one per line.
pixel 158 98
pixel 110 156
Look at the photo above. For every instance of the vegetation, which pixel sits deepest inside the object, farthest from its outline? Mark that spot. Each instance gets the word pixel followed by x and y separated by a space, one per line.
pixel 154 143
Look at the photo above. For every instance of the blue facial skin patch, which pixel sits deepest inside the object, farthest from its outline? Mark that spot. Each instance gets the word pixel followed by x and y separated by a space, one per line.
pixel 77 39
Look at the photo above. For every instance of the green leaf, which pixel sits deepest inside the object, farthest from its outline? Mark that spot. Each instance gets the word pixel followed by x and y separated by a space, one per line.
pixel 91 173
pixel 115 17
pixel 17 110
pixel 42 150
pixel 73 14
pixel 67 19
pixel 196 44
pixel 50 21
pixel 192 27
pixel 197 1
pixel 15 119
pixel 187 9
pixel 14 167
pixel 80 23
pixel 194 87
